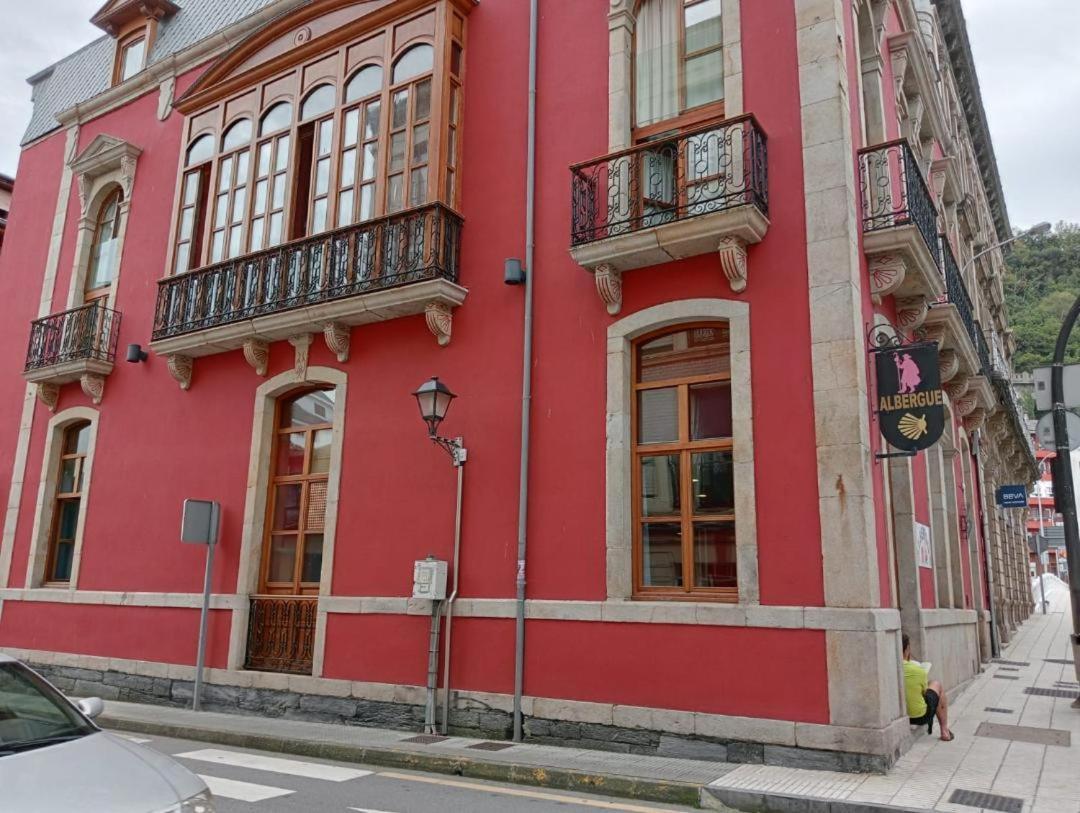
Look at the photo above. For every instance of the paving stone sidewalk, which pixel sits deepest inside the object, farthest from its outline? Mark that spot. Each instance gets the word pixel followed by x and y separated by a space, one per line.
pixel 1020 747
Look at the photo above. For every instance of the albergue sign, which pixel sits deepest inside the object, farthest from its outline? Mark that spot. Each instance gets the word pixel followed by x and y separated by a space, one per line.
pixel 911 405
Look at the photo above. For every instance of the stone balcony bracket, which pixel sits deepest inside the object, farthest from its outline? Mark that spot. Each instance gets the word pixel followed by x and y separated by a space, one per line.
pixel 726 233
pixel 901 265
pixel 944 325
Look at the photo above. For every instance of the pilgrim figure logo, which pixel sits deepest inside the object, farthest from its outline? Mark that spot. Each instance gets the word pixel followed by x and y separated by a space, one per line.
pixel 908 372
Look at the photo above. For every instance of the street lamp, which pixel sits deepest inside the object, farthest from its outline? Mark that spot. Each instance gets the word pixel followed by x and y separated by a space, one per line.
pixel 1037 230
pixel 434 399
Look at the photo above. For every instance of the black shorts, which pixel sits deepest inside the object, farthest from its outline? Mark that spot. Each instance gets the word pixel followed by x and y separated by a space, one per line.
pixel 927 719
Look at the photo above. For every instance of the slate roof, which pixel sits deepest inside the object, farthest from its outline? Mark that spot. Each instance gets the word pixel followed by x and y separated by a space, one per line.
pixel 88 72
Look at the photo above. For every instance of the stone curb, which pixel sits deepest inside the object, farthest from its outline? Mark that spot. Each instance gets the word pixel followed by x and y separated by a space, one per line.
pixel 653 790
pixel 755 801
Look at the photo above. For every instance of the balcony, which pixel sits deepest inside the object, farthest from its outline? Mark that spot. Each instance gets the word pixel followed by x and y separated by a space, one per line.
pixel 401 265
pixel 900 233
pixel 76 345
pixel 693 193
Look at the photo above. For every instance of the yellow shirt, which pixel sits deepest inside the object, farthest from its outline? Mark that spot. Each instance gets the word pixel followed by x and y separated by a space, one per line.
pixel 914 688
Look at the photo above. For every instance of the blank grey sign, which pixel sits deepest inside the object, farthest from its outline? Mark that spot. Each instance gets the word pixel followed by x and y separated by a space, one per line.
pixel 197 524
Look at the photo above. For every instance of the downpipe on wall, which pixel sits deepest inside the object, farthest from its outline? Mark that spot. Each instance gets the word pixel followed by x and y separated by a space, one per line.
pixel 526 376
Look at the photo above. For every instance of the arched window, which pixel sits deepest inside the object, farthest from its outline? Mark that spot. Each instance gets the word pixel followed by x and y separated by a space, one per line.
pixel 104 251
pixel 67 503
pixel 201 149
pixel 417 60
pixel 683 483
pixel 319 101
pixel 292 550
pixel 238 134
pixel 276 118
pixel 365 82
pixel 678 56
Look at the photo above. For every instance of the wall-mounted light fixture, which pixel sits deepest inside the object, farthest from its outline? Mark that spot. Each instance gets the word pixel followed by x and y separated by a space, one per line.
pixel 513 272
pixel 135 354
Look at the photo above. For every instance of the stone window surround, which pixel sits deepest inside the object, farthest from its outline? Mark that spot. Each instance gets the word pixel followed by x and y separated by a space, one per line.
pixel 619 454
pixel 105 164
pixel 258 483
pixel 621 20
pixel 43 510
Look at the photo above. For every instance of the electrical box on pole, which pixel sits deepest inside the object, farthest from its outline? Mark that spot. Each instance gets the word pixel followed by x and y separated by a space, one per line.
pixel 1071 382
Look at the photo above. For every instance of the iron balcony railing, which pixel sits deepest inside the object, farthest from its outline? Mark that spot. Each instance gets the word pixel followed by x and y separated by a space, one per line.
pixel 281 634
pixel 410 246
pixel 984 351
pixel 894 193
pixel 709 169
pixel 87 332
pixel 956 293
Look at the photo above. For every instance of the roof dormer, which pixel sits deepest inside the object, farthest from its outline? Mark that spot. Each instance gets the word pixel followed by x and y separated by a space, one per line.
pixel 133 24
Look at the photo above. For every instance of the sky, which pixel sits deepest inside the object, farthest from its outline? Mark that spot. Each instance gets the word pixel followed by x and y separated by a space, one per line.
pixel 1025 53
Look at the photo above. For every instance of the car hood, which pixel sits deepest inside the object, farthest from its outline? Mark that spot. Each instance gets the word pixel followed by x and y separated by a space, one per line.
pixel 98 772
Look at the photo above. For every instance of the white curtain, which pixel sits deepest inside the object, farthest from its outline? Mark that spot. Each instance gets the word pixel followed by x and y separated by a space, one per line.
pixel 656 57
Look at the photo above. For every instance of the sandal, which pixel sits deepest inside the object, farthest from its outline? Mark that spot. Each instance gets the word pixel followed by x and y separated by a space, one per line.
pixel 951 737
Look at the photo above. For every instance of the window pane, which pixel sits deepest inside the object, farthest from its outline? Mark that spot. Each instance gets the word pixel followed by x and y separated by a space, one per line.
pixel 453 105
pixel 221 210
pixel 311 569
pixel 712 479
pixel 322 176
pixel 217 252
pixel 417 60
pixel 67 476
pixel 371 156
pixel 134 56
pixel 345 208
pixel 62 557
pixel 318 216
pixel 352 128
pixel 241 168
pixel 318 101
pixel 694 352
pixel 660 485
pixel 68 520
pixel 365 82
pixel 418 188
pixel 77 439
pixel 282 558
pixel 397 152
pixel 705 78
pixel 238 134
pixel 455 59
pixel 200 149
pixel 658 416
pixel 348 167
pixel 710 410
pixel 287 507
pixel 371 120
pixel 400 109
pixel 316 506
pixel 394 197
pixel 661 554
pixel 264 159
pixel 191 188
pixel 320 451
pixel 291 453
pixel 257 227
pixel 260 197
pixel 703 26
pixel 451 148
pixel 423 100
pixel 182 253
pixel 187 223
pixel 225 174
pixel 278 198
pixel 367 202
pixel 420 144
pixel 277 117
pixel 275 229
pixel 239 201
pixel 310 410
pixel 281 160
pixel 326 137
pixel 234 241
pixel 714 554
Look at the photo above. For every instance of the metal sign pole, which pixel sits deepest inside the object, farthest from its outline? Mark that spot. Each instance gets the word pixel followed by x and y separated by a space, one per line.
pixel 204 616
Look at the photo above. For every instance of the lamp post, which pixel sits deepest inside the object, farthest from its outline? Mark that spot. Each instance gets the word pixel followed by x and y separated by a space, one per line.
pixel 434 399
pixel 1041 544
pixel 1037 230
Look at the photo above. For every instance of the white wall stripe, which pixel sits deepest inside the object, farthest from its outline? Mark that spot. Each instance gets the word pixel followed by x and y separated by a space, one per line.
pixel 293 767
pixel 242 791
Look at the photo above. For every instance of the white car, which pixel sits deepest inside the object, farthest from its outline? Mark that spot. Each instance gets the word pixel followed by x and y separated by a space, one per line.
pixel 53 759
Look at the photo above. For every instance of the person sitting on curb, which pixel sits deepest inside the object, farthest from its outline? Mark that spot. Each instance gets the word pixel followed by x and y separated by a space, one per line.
pixel 924 700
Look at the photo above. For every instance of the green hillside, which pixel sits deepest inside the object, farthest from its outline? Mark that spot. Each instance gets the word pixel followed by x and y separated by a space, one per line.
pixel 1041 283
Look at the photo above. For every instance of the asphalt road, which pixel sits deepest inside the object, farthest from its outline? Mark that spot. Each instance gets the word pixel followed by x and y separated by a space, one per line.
pixel 248 781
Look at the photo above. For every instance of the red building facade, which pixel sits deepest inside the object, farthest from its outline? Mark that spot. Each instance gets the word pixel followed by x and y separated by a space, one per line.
pixel 303 211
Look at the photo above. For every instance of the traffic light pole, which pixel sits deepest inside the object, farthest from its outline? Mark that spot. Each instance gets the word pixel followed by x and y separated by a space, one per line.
pixel 1064 494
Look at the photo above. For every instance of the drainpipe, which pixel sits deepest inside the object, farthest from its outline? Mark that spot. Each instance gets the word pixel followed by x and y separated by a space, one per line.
pixel 526 376
pixel 459 455
pixel 988 562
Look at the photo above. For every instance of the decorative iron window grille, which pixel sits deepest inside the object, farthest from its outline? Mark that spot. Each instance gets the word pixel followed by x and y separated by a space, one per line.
pixel 87 332
pixel 894 193
pixel 410 246
pixel 281 634
pixel 708 169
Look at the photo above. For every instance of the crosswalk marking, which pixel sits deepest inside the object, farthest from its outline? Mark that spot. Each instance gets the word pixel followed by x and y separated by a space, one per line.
pixel 368 810
pixel 529 794
pixel 293 767
pixel 242 791
pixel 136 740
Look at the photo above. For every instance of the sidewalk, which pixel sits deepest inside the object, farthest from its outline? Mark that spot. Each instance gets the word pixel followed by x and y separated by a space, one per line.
pixel 1022 748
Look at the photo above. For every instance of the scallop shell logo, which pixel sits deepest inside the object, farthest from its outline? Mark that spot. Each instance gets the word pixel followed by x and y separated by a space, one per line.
pixel 912 427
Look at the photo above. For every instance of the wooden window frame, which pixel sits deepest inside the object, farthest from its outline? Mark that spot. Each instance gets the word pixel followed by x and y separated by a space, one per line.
pixel 296 587
pixel 103 291
pixel 142 32
pixel 288 82
pixel 60 498
pixel 688 118
pixel 684 447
